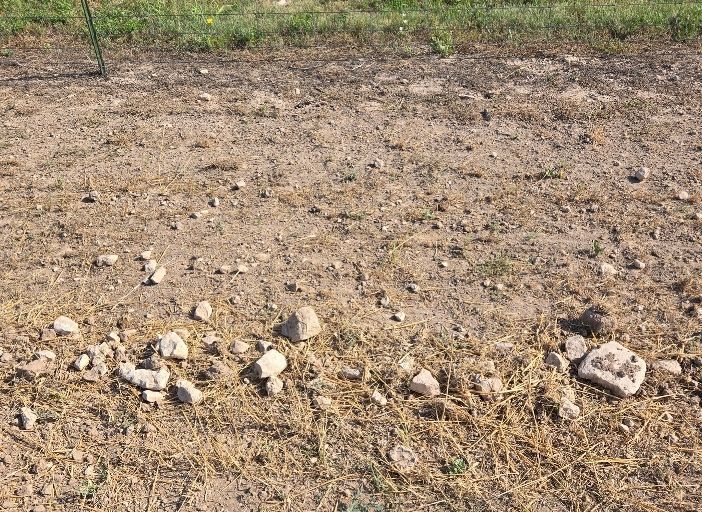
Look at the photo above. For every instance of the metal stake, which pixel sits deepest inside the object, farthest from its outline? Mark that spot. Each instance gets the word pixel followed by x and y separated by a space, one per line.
pixel 93 37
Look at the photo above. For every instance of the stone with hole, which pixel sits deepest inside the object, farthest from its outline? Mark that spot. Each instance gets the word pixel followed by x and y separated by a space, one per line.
pixel 615 368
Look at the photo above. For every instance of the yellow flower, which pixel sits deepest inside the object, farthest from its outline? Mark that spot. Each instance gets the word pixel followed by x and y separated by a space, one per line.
pixel 209 21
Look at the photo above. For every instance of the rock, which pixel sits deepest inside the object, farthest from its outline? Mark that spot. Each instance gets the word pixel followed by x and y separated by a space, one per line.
pixel 150 266
pixel 214 202
pixel 378 399
pixel 670 366
pixel 145 255
pixel 218 370
pixel 91 197
pixel 143 378
pixel 642 173
pixel 46 354
pixel 575 348
pixel 65 326
pixel 203 311
pixel 398 316
pixel 91 375
pixel 270 364
pixel 241 269
pixel 377 163
pixel 106 260
pixel 157 276
pixel 488 387
pixel 638 264
pixel 302 325
pixel 239 347
pixel 35 368
pixel 568 410
pixel 557 361
pixel 152 397
pixel 28 418
pixel 172 346
pixel 596 320
pixel 615 368
pixel 274 385
pixel 607 269
pixel 225 269
pixel 413 288
pixel 402 457
pixel 240 184
pixel 683 195
pixel 187 392
pixel 205 97
pixel 351 373
pixel 82 362
pixel 264 346
pixel 424 383
pixel 322 402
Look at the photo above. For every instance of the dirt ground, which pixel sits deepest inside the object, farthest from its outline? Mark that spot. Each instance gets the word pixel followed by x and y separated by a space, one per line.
pixel 502 219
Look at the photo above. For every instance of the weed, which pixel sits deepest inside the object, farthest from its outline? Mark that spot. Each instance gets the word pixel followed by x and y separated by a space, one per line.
pixel 456 467
pixel 442 43
pixel 495 267
pixel 597 248
pixel 553 173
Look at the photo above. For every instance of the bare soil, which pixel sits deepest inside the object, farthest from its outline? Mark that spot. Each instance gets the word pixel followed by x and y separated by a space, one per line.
pixel 502 223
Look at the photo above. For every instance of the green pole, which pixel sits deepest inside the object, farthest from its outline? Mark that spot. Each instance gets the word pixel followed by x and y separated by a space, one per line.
pixel 93 37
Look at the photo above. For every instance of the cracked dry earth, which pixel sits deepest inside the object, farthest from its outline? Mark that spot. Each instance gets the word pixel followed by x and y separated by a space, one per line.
pixel 364 188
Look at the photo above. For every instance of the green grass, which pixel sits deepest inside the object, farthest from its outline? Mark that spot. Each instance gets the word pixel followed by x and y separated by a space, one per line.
pixel 445 25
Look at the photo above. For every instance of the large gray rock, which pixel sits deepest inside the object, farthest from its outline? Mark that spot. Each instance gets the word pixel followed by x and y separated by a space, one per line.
pixel 187 392
pixel 64 326
pixel 271 364
pixel 302 325
pixel 143 378
pixel 615 368
pixel 172 346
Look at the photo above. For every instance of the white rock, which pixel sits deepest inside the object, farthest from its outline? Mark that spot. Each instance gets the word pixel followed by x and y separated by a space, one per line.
pixel 413 287
pixel 270 364
pixel 399 316
pixel 214 202
pixel 403 457
pixel 378 399
pixel 106 260
pixel 683 195
pixel 615 368
pixel 568 410
pixel 172 346
pixel 150 266
pixel 145 256
pixel 82 362
pixel 152 396
pixel 668 366
pixel 575 348
pixel 187 392
pixel 143 378
pixel 607 269
pixel 28 418
pixel 64 326
pixel 557 361
pixel 205 97
pixel 322 402
pixel 238 185
pixel 49 355
pixel 239 347
pixel 302 325
pixel 203 311
pixel 639 264
pixel 157 276
pixel 642 173
pixel 424 383
pixel 274 385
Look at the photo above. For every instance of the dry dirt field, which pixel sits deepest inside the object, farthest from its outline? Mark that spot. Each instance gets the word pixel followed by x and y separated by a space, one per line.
pixel 478 196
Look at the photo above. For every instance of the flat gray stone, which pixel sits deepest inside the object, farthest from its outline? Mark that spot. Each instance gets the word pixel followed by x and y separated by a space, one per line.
pixel 302 325
pixel 65 326
pixel 575 348
pixel 172 346
pixel 615 368
pixel 271 364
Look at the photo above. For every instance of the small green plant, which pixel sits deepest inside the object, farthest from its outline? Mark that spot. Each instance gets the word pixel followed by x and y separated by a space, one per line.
pixel 456 467
pixel 495 267
pixel 359 505
pixel 88 490
pixel 553 173
pixel 597 248
pixel 349 178
pixel 442 43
